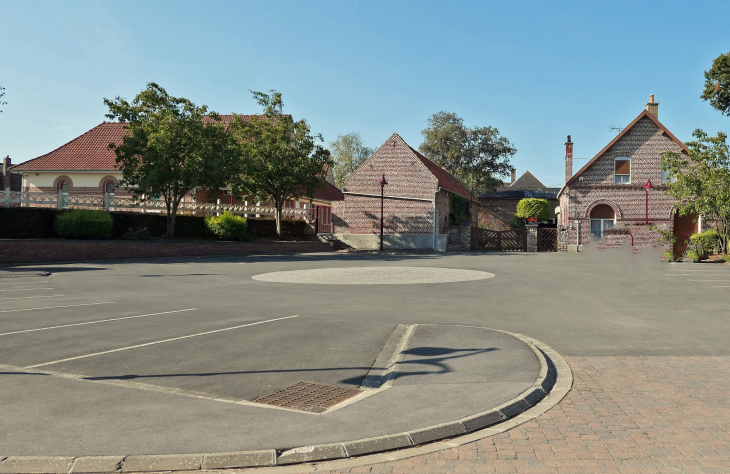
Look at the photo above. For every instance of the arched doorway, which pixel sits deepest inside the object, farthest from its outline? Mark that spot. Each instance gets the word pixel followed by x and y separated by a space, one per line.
pixel 602 218
pixel 63 188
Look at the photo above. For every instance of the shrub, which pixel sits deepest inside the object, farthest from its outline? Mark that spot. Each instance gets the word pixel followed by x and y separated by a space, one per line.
pixel 668 256
pixel 517 223
pixel 459 209
pixel 227 226
pixel 707 242
pixel 84 224
pixel 533 208
pixel 726 258
pixel 693 255
pixel 137 234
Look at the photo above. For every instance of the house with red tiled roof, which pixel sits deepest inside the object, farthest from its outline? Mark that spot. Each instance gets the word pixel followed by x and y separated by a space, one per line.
pixel 416 200
pixel 620 192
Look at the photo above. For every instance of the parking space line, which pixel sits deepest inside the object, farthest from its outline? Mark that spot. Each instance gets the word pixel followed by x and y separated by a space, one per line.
pixel 28 289
pixel 95 322
pixel 30 297
pixel 53 307
pixel 160 342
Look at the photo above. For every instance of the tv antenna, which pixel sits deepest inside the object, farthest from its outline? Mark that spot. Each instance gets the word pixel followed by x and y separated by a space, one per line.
pixel 615 129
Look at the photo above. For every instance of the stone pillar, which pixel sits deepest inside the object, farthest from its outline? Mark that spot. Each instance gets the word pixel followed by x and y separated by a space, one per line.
pixel 531 237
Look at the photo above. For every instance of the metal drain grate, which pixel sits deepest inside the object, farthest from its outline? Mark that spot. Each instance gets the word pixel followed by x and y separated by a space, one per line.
pixel 308 396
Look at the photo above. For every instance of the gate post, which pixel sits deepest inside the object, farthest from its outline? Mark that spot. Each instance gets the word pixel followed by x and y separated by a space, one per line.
pixel 532 237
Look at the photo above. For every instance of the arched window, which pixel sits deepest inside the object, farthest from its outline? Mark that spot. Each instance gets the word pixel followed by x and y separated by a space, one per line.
pixel 63 187
pixel 602 218
pixel 109 187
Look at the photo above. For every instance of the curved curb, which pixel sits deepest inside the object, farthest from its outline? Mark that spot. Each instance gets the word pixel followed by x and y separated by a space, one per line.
pixel 553 383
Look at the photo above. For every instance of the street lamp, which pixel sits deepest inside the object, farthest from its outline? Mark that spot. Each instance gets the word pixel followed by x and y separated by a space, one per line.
pixel 646 190
pixel 383 182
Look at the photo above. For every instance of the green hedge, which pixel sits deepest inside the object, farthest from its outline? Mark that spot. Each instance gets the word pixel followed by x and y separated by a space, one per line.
pixel 227 226
pixel 38 223
pixel 84 224
pixel 533 208
pixel 707 242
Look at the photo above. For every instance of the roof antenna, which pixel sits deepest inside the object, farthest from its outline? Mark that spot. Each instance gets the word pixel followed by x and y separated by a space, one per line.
pixel 615 129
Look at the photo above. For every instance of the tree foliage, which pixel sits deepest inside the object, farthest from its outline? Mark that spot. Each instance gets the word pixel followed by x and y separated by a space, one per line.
pixel 2 94
pixel 172 146
pixel 533 208
pixel 478 156
pixel 700 182
pixel 348 153
pixel 717 84
pixel 280 158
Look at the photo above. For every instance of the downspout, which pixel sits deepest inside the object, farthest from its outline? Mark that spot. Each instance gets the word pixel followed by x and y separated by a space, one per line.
pixel 434 218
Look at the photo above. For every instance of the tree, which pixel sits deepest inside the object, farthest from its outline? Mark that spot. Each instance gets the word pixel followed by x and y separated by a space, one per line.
pixel 533 209
pixel 700 183
pixel 717 84
pixel 282 158
pixel 172 146
pixel 2 94
pixel 348 153
pixel 475 156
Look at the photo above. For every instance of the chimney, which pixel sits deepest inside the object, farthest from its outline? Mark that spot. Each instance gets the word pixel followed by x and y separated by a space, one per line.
pixel 514 175
pixel 568 159
pixel 652 106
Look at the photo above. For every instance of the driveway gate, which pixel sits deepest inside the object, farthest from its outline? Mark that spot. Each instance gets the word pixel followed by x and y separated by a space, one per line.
pixel 514 240
pixel 547 239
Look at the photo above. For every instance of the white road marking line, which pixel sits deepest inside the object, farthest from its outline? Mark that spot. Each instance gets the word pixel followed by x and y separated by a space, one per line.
pixel 29 297
pixel 721 286
pixel 159 342
pixel 707 280
pixel 28 289
pixel 95 322
pixel 53 307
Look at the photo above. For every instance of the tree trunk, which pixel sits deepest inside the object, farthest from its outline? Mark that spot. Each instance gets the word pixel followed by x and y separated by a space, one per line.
pixel 171 213
pixel 278 206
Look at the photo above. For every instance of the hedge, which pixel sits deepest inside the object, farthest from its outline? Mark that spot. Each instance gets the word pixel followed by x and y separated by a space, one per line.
pixel 38 223
pixel 533 208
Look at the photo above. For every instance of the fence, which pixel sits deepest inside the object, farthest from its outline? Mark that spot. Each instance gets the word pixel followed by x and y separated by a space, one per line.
pixel 514 240
pixel 111 202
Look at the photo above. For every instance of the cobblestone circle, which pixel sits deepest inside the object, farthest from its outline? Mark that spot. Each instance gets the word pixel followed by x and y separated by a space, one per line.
pixel 374 276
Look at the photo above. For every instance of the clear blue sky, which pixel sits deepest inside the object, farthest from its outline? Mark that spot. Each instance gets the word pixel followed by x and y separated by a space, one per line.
pixel 537 70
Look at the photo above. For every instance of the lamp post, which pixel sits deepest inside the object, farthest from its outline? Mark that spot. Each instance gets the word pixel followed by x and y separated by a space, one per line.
pixel 383 182
pixel 646 190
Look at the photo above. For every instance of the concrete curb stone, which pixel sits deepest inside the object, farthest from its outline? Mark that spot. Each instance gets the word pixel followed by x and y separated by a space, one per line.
pixel 432 433
pixel 162 462
pixel 482 420
pixel 35 464
pixel 264 457
pixel 97 464
pixel 377 444
pixel 312 453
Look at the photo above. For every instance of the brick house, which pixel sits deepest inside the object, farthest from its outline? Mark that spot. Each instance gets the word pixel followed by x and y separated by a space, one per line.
pixel 497 208
pixel 610 191
pixel 416 204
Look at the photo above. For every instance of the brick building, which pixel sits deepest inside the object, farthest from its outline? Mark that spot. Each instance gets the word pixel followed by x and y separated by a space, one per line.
pixel 497 208
pixel 416 205
pixel 610 191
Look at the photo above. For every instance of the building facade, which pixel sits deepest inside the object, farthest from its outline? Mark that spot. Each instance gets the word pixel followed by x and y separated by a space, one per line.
pixel 623 186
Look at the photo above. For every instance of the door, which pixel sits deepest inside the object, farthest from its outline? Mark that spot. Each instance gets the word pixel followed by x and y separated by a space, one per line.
pixel 684 227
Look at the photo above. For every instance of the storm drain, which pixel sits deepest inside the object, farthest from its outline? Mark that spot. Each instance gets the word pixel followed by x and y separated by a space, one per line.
pixel 308 396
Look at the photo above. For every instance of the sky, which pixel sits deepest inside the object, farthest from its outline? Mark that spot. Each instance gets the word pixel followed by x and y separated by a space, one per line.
pixel 538 71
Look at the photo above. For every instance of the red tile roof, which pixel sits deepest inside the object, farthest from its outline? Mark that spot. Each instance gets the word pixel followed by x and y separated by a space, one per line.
pixel 90 151
pixel 446 181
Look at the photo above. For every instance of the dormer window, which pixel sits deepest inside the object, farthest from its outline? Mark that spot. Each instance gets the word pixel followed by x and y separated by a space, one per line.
pixel 622 170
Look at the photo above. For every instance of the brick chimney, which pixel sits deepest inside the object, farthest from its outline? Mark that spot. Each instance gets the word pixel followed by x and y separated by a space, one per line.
pixel 652 106
pixel 568 159
pixel 514 176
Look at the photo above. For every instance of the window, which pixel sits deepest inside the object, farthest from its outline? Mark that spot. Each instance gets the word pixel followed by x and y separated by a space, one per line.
pixel 602 218
pixel 63 195
pixel 109 187
pixel 622 170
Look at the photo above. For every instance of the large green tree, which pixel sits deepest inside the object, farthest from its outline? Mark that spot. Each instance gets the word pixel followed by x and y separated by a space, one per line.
pixel 171 147
pixel 700 183
pixel 348 153
pixel 281 157
pixel 717 84
pixel 476 156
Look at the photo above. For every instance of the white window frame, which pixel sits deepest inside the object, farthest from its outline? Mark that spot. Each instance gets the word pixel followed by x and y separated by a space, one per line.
pixel 603 224
pixel 616 176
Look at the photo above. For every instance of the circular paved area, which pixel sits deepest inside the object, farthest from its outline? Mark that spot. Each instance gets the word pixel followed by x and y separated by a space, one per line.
pixel 374 276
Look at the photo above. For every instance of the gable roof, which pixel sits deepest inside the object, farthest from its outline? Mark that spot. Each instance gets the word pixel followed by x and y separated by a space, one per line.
pixel 643 114
pixel 527 181
pixel 90 151
pixel 445 180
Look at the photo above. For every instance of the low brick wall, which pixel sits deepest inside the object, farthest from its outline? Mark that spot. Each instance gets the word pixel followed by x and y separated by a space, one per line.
pixel 44 251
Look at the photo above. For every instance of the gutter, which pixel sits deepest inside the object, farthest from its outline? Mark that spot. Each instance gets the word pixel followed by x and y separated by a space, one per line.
pixel 435 224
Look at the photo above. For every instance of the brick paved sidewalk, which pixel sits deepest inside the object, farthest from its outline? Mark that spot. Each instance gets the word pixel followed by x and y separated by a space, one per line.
pixel 624 414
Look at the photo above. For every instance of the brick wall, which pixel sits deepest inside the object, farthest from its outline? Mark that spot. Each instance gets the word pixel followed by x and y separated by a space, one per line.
pixel 32 251
pixel 645 143
pixel 497 214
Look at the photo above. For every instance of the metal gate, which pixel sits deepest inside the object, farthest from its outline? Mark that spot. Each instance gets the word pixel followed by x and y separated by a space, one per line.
pixel 514 240
pixel 547 239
